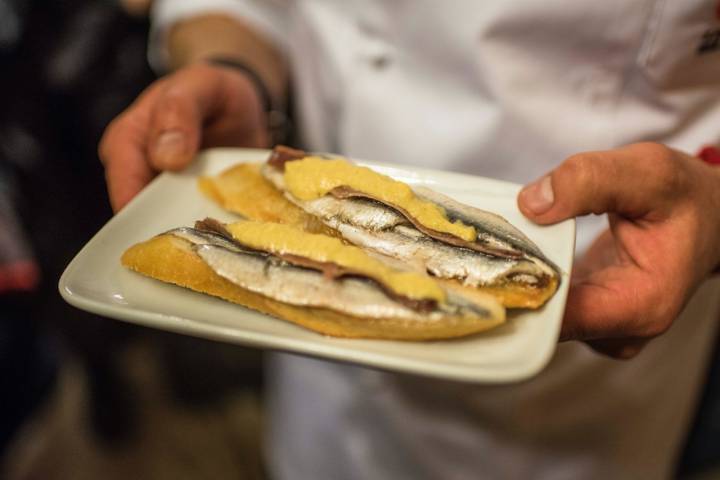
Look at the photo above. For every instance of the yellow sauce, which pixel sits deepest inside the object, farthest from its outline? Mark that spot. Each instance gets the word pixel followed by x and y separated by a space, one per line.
pixel 285 239
pixel 313 177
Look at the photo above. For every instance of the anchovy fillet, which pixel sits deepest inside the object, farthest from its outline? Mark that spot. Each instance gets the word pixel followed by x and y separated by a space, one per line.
pixel 268 275
pixel 376 226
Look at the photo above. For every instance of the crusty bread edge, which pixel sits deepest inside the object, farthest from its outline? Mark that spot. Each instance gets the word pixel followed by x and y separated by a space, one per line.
pixel 508 294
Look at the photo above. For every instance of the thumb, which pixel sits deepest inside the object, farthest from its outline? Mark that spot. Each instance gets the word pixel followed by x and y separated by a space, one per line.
pixel 631 181
pixel 175 131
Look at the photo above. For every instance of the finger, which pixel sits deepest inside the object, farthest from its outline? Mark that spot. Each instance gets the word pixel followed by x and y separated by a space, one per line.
pixel 617 302
pixel 620 348
pixel 633 181
pixel 122 151
pixel 175 129
pixel 190 99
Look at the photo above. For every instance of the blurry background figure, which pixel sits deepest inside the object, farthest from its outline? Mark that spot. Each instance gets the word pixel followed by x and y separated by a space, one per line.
pixel 98 398
pixel 27 367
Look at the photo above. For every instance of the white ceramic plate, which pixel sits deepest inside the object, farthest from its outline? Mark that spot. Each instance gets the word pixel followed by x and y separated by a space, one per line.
pixel 95 281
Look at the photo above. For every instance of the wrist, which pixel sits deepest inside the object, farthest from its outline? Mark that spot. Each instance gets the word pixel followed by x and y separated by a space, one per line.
pixel 267 101
pixel 277 122
pixel 218 35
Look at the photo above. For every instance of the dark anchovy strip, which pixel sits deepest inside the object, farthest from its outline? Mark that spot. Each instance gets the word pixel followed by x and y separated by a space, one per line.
pixel 202 236
pixel 492 229
pixel 282 154
pixel 486 247
pixel 210 226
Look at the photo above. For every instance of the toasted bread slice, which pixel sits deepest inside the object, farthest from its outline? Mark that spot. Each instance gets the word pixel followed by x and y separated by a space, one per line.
pixel 243 190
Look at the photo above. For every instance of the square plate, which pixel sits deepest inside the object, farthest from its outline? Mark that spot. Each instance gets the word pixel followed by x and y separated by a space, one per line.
pixel 95 281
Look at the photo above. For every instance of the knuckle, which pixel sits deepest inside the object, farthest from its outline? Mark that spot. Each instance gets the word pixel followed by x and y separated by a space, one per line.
pixel 665 168
pixel 652 150
pixel 651 321
pixel 102 149
pixel 661 310
pixel 584 171
pixel 655 325
pixel 109 139
pixel 173 109
pixel 169 107
pixel 173 87
pixel 196 72
pixel 579 168
pixel 627 353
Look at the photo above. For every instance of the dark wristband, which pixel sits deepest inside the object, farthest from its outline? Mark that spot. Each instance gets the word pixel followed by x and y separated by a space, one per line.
pixel 278 121
pixel 258 83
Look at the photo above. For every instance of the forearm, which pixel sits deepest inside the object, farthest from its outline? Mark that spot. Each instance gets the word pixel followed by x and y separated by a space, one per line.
pixel 217 35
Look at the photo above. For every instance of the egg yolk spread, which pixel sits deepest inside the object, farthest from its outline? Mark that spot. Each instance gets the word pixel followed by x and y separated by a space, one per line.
pixel 284 239
pixel 313 177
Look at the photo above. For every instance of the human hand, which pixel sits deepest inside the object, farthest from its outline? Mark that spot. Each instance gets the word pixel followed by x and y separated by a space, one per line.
pixel 198 106
pixel 663 240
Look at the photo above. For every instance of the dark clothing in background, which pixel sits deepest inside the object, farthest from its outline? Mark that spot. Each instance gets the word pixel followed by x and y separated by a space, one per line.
pixel 68 68
pixel 72 67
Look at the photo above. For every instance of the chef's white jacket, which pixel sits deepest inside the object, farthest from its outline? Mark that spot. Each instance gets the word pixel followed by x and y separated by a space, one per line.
pixel 504 89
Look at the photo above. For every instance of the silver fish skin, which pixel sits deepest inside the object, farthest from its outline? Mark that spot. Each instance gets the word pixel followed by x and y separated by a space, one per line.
pixel 378 227
pixel 203 237
pixel 490 227
pixel 270 276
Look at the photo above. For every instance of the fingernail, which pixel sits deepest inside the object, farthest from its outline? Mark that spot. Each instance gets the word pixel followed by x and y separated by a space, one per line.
pixel 538 197
pixel 168 146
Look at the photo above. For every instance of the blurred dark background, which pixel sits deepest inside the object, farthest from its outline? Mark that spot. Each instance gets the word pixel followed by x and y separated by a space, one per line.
pixel 87 397
pixel 83 396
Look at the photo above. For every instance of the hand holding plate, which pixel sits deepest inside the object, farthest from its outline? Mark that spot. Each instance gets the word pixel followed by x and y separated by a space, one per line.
pixel 663 240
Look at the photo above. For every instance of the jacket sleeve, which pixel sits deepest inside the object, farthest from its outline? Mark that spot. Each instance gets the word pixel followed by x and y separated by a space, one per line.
pixel 269 17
